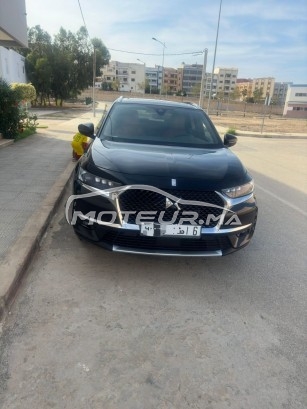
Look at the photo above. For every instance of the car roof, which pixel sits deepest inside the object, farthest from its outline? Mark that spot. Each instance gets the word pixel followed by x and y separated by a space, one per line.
pixel 161 102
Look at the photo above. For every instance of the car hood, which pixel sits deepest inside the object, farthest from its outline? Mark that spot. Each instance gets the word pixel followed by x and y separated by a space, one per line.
pixel 132 162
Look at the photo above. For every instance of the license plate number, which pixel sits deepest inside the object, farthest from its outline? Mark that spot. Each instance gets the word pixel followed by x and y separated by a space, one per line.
pixel 149 229
pixel 181 230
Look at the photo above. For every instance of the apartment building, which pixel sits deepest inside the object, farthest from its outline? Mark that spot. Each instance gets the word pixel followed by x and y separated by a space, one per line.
pixel 191 78
pixel 265 84
pixel 222 83
pixel 296 101
pixel 245 88
pixel 226 79
pixel 170 80
pixel 153 77
pixel 129 77
pixel 280 92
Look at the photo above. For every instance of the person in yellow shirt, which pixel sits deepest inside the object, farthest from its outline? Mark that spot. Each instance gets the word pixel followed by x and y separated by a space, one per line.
pixel 79 145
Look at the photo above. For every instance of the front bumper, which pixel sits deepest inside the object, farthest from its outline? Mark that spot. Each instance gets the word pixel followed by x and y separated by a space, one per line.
pixel 126 237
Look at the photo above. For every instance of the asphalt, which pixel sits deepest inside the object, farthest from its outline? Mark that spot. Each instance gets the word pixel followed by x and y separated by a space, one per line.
pixel 34 173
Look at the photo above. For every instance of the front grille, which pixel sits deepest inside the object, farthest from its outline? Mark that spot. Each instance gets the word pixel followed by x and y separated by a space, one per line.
pixel 146 200
pixel 165 243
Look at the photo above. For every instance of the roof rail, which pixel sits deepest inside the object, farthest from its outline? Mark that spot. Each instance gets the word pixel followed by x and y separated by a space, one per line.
pixel 192 103
pixel 119 99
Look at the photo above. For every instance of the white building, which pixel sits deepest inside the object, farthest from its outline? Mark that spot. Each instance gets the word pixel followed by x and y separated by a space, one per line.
pixel 130 77
pixel 154 77
pixel 13 33
pixel 12 66
pixel 13 23
pixel 296 102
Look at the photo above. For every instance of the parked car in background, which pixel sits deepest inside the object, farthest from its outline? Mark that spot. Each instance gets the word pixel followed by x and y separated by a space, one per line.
pixel 158 179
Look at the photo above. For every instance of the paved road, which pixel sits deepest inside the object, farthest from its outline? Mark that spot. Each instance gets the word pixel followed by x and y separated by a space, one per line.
pixel 92 329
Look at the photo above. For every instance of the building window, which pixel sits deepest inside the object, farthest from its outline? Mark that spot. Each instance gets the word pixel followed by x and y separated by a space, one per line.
pixel 132 72
pixel 301 94
pixel 132 79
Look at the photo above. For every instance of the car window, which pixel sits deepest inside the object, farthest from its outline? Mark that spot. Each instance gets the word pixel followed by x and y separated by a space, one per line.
pixel 162 125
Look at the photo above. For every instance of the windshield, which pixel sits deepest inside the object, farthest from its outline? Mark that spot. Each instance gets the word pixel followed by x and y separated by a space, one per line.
pixel 160 125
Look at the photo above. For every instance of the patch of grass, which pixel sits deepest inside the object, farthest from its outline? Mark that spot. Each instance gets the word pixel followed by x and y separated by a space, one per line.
pixel 232 131
pixel 25 133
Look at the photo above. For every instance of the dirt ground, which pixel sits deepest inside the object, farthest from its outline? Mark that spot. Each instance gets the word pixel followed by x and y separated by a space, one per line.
pixel 234 120
pixel 254 123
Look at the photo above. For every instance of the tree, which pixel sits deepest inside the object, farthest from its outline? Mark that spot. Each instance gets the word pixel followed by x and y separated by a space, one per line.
pixel 244 93
pixel 102 55
pixel 235 94
pixel 115 85
pixel 196 89
pixel 38 62
pixel 62 68
pixel 257 94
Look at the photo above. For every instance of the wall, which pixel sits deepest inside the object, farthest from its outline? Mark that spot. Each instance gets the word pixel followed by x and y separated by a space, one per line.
pixel 215 106
pixel 12 66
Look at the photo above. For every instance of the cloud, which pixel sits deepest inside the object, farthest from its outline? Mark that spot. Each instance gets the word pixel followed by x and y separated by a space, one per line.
pixel 261 38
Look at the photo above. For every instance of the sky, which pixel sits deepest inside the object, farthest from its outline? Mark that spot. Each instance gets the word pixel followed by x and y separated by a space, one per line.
pixel 262 38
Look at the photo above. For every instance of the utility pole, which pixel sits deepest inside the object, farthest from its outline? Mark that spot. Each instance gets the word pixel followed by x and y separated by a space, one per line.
pixel 201 96
pixel 94 78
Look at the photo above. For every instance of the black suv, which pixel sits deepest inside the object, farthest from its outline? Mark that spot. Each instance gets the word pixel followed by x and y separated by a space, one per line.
pixel 158 179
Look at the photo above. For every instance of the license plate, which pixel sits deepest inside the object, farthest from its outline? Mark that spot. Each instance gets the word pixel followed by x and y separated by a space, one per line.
pixel 179 230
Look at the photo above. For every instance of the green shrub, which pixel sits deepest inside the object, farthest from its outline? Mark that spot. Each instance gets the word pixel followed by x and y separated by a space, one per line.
pixel 232 131
pixel 9 110
pixel 27 91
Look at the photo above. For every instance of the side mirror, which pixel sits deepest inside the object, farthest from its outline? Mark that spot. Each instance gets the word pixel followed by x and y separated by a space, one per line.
pixel 230 140
pixel 87 130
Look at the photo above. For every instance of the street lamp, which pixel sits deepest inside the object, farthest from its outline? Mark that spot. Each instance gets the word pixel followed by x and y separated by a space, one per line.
pixel 213 66
pixel 164 46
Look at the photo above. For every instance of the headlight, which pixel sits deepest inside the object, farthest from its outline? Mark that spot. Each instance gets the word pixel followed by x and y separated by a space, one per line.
pixel 239 191
pixel 96 181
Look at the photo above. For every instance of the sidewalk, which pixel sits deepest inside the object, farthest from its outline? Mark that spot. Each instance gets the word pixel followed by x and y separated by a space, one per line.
pixel 33 176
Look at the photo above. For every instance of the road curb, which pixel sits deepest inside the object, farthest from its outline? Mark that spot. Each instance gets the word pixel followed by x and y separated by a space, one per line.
pixel 20 255
pixel 270 136
pixel 5 142
pixel 222 130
